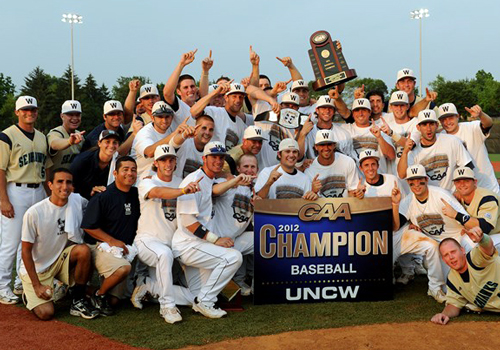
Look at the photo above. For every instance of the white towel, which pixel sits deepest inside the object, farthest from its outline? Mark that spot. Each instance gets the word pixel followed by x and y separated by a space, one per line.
pixel 111 177
pixel 73 218
pixel 118 252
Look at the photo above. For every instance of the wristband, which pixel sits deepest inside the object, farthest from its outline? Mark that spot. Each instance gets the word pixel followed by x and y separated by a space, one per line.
pixel 461 218
pixel 183 192
pixel 395 136
pixel 485 241
pixel 211 237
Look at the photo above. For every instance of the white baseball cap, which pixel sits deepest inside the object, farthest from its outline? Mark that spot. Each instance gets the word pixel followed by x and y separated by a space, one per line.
pixel 70 106
pixel 212 87
pixel 426 115
pixel 161 108
pixel 214 147
pixel 404 73
pixel 299 84
pixel 361 103
pixel 288 144
pixel 415 171
pixel 112 105
pixel 447 109
pixel 164 151
pixel 108 133
pixel 324 101
pixel 323 137
pixel 148 90
pixel 236 88
pixel 290 97
pixel 25 102
pixel 253 133
pixel 463 172
pixel 399 98
pixel 368 153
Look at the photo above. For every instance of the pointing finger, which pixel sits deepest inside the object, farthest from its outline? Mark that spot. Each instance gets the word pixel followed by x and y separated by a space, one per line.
pixel 186 120
pixel 198 181
pixel 288 82
pixel 251 48
pixel 195 51
pixel 82 132
pixel 427 91
pixel 279 59
pixel 316 177
pixel 210 54
pixel 444 202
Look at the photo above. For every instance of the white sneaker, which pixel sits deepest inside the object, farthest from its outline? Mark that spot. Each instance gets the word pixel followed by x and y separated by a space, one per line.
pixel 18 289
pixel 473 308
pixel 8 298
pixel 246 290
pixel 171 314
pixel 405 279
pixel 438 295
pixel 138 294
pixel 419 268
pixel 208 310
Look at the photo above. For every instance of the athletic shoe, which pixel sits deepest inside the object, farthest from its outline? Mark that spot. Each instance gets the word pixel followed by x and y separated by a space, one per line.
pixel 246 290
pixel 7 297
pixel 101 303
pixel 60 290
pixel 405 279
pixel 84 309
pixel 18 289
pixel 419 268
pixel 473 308
pixel 138 295
pixel 208 310
pixel 171 314
pixel 438 295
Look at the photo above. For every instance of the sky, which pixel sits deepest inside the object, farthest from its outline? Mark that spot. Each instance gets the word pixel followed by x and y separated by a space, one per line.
pixel 147 37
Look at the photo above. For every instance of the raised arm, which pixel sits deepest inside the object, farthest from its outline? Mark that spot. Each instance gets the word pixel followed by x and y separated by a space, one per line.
pixel 198 108
pixel 477 112
pixel 129 105
pixel 171 84
pixel 206 64
pixel 288 63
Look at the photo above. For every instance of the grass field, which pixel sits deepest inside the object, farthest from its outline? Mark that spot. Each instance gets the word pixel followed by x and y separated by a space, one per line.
pixel 145 328
pixel 495 158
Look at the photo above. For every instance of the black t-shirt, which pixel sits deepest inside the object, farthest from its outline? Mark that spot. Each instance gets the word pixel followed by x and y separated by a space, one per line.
pixel 115 212
pixel 92 138
pixel 87 174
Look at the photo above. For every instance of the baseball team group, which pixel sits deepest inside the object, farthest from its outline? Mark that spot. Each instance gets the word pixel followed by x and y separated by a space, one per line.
pixel 158 199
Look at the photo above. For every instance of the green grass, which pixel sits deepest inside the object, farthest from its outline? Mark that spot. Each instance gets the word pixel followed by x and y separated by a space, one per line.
pixel 494 157
pixel 145 328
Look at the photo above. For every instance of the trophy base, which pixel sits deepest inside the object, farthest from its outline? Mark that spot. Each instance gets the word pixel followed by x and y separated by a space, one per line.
pixel 335 79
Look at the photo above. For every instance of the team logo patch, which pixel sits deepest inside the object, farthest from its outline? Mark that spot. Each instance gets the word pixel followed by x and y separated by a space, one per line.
pixel 128 208
pixel 275 137
pixel 333 186
pixel 242 210
pixel 431 224
pixel 487 216
pixel 287 192
pixel 168 206
pixel 436 166
pixel 60 227
pixel 191 166
pixel 231 139
pixel 362 143
pixel 289 118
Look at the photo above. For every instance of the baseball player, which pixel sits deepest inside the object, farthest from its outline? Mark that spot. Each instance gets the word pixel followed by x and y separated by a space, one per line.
pixel 65 141
pixel 148 96
pixel 473 135
pixel 50 228
pixel 473 278
pixel 252 144
pixel 336 173
pixel 209 259
pixel 23 160
pixel 440 154
pixel 157 224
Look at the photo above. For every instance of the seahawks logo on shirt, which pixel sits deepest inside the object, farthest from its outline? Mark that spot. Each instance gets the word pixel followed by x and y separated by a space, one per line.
pixel 287 192
pixel 333 186
pixel 436 166
pixel 231 139
pixel 190 166
pixel 242 210
pixel 60 227
pixel 431 224
pixel 364 142
pixel 168 206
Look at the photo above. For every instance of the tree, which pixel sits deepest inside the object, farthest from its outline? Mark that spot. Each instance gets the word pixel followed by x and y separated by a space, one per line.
pixel 370 85
pixel 7 101
pixel 461 93
pixel 120 90
pixel 92 100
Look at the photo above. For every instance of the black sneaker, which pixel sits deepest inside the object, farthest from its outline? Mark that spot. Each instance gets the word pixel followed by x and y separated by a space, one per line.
pixel 83 308
pixel 101 303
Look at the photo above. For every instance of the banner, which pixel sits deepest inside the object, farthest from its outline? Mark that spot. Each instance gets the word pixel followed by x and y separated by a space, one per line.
pixel 336 249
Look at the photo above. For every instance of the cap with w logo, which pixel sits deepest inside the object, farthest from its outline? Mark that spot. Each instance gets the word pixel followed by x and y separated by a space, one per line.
pixel 290 97
pixel 161 108
pixel 399 98
pixel 405 73
pixel 236 88
pixel 253 133
pixel 299 84
pixel 147 90
pixel 26 102
pixel 214 148
pixel 368 153
pixel 447 109
pixel 463 172
pixel 325 101
pixel 111 106
pixel 415 171
pixel 71 106
pixel 323 137
pixel 427 115
pixel 164 151
pixel 361 103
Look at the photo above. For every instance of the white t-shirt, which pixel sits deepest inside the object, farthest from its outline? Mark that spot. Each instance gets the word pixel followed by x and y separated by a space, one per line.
pixel 385 189
pixel 473 138
pixel 198 204
pixel 274 134
pixel 233 211
pixel 189 159
pixel 146 137
pixel 260 107
pixel 158 216
pixel 429 216
pixel 441 159
pixel 337 178
pixel 363 139
pixel 308 110
pixel 227 131
pixel 341 137
pixel 181 114
pixel 44 226
pixel 287 186
pixel 403 130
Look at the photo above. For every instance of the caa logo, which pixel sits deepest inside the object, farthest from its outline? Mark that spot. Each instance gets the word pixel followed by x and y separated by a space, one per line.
pixel 242 210
pixel 431 224
pixel 436 167
pixel 168 206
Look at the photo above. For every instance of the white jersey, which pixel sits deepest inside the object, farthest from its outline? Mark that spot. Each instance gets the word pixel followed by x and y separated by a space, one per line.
pixel 385 188
pixel 308 110
pixel 260 107
pixel 181 114
pixel 429 216
pixel 198 204
pixel 337 178
pixel 233 211
pixel 473 138
pixel 44 226
pixel 441 159
pixel 189 159
pixel 404 129
pixel 146 137
pixel 363 139
pixel 158 216
pixel 287 186
pixel 342 138
pixel 227 131
pixel 274 134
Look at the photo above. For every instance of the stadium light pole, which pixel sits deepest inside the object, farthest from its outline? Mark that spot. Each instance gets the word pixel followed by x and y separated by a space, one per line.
pixel 420 14
pixel 72 18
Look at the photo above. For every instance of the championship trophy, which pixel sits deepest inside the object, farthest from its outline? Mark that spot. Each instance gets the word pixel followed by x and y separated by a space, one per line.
pixel 328 63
